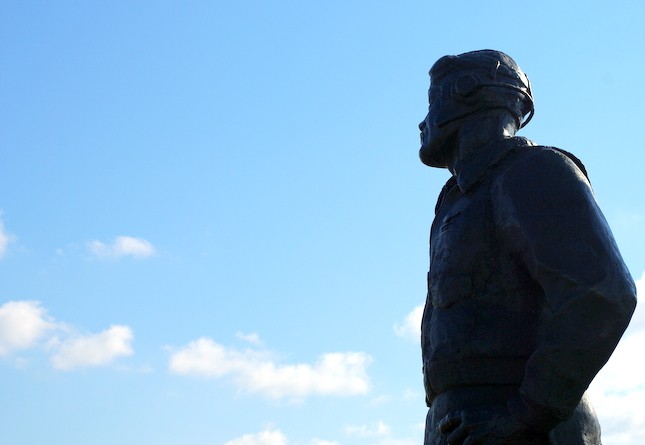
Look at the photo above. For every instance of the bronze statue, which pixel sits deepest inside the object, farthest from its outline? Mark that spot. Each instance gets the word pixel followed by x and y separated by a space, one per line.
pixel 527 292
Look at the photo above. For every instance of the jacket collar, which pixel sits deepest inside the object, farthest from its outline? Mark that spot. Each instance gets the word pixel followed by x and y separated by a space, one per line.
pixel 470 170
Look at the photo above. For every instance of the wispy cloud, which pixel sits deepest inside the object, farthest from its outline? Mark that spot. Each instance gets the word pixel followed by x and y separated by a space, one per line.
pixel 397 441
pixel 380 400
pixel 380 434
pixel 410 328
pixel 26 325
pixel 122 246
pixel 271 436
pixel 5 239
pixel 627 220
pixel 379 429
pixel 22 324
pixel 92 349
pixel 618 391
pixel 266 437
pixel 256 371
pixel 252 338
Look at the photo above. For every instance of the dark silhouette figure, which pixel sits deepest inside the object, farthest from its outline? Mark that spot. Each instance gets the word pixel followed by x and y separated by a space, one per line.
pixel 527 292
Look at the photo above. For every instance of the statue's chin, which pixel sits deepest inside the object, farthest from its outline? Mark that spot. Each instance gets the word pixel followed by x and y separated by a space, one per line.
pixel 432 158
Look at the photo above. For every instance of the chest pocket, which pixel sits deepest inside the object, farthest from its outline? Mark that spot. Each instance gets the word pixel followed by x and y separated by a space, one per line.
pixel 449 279
pixel 463 248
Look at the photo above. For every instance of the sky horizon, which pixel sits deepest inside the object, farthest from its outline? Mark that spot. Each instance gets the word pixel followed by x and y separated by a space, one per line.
pixel 214 222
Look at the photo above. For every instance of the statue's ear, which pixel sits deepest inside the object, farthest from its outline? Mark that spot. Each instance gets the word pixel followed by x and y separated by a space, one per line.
pixel 465 85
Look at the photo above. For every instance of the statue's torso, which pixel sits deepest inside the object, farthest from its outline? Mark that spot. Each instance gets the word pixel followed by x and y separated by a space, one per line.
pixel 483 309
pixel 527 292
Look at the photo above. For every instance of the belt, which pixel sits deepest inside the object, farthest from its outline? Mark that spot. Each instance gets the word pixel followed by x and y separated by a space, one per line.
pixel 444 375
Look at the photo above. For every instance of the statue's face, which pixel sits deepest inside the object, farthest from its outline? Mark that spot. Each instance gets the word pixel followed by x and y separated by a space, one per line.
pixel 438 141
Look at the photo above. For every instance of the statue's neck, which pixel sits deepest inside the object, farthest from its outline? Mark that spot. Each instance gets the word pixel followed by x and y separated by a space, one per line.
pixel 479 130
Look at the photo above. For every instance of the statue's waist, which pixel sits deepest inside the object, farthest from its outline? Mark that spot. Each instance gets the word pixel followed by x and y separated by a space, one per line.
pixel 444 375
pixel 471 329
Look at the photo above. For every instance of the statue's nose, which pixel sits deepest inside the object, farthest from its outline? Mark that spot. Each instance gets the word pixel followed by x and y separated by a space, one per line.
pixel 422 125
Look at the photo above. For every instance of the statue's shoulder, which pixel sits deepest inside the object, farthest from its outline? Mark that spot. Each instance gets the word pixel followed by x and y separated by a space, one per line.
pixel 541 175
pixel 545 161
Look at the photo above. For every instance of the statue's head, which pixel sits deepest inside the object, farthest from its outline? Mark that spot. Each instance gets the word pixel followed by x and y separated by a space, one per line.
pixel 465 85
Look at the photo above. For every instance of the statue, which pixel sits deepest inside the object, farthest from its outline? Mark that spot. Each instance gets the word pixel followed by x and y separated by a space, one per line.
pixel 527 292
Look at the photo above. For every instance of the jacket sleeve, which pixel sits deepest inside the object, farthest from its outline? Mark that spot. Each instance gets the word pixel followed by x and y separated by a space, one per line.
pixel 550 222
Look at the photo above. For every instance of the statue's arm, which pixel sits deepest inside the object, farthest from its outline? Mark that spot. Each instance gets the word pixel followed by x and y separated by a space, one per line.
pixel 551 223
pixel 425 343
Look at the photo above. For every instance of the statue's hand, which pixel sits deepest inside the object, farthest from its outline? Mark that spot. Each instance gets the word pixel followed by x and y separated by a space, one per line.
pixel 486 426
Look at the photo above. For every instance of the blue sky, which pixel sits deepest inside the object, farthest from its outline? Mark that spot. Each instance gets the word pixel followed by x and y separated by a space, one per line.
pixel 214 220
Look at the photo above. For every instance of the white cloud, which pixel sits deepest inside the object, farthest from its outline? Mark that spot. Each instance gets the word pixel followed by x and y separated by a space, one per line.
pixel 381 434
pixel 379 429
pixel 267 437
pixel 5 239
pixel 411 394
pixel 338 373
pixel 638 320
pixel 618 391
pixel 25 325
pixel 627 220
pixel 252 338
pixel 271 436
pixel 92 349
pixel 378 435
pixel 380 400
pixel 22 324
pixel 396 441
pixel 410 328
pixel 122 246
